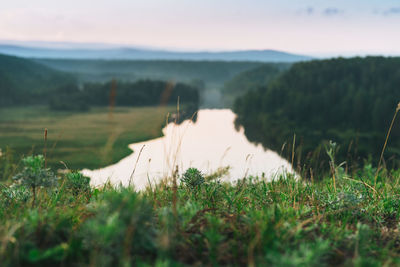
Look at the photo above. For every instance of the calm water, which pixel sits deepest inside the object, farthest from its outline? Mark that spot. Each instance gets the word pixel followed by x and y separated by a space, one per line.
pixel 207 144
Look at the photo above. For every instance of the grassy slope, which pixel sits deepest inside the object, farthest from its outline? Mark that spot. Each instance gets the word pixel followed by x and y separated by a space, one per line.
pixel 81 140
pixel 25 81
pixel 283 223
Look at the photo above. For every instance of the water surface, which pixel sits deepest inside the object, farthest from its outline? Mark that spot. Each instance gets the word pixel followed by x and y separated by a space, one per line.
pixel 210 143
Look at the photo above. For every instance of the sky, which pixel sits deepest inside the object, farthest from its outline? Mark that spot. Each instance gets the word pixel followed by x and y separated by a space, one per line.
pixel 312 27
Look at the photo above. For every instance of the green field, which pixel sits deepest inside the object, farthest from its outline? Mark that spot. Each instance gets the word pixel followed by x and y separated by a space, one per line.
pixel 82 140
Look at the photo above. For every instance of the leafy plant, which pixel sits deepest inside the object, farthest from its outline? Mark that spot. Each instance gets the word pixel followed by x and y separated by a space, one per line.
pixel 34 175
pixel 193 178
pixel 337 170
pixel 77 183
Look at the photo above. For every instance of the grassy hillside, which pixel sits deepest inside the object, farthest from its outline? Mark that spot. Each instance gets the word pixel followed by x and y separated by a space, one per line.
pixel 82 140
pixel 23 81
pixel 201 221
pixel 349 101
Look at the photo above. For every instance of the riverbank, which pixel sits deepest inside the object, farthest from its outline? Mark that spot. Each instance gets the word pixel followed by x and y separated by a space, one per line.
pixel 209 144
pixel 90 139
pixel 202 221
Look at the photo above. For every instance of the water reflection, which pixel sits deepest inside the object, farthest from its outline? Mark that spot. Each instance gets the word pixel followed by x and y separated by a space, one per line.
pixel 207 144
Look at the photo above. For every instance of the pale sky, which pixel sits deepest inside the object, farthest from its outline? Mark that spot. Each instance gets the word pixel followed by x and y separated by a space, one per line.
pixel 313 27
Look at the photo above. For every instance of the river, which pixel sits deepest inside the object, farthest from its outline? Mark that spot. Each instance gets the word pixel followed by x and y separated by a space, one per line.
pixel 210 143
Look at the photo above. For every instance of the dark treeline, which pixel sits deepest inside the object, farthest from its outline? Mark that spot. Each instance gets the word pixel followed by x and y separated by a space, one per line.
pixel 140 93
pixel 349 101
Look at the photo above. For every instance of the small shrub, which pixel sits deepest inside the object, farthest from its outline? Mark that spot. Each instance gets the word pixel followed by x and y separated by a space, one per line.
pixel 77 183
pixel 193 178
pixel 34 175
pixel 14 194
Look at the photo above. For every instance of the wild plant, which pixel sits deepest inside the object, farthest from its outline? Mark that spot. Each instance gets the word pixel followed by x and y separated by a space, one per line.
pixel 77 183
pixel 193 178
pixel 336 170
pixel 34 175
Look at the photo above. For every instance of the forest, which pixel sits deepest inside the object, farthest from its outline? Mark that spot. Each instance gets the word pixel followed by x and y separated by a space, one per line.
pixel 349 101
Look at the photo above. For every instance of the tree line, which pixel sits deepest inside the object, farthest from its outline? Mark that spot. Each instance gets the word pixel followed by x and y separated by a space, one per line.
pixel 140 93
pixel 350 101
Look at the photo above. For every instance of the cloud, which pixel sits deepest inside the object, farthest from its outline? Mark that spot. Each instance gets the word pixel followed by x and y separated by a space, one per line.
pixel 391 11
pixel 311 11
pixel 308 11
pixel 332 11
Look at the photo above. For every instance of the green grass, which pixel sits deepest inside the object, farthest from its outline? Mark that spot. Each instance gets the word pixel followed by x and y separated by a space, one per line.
pixel 82 140
pixel 203 221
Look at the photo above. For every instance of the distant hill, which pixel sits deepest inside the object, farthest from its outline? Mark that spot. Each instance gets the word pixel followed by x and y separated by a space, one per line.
pixel 127 53
pixel 23 81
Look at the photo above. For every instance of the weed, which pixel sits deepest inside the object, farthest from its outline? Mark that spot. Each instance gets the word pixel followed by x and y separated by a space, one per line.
pixel 193 178
pixel 35 176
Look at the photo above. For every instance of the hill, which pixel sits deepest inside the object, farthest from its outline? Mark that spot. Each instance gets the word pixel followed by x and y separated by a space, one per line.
pixel 349 101
pixel 23 81
pixel 148 54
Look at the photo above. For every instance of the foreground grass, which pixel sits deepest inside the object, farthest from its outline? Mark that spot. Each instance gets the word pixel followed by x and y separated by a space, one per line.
pixel 203 221
pixel 82 140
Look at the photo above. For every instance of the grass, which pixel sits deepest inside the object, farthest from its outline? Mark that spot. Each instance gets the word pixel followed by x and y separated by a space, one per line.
pixel 81 140
pixel 203 221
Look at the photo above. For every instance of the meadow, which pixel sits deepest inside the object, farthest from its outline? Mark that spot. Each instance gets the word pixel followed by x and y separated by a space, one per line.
pixel 90 139
pixel 197 220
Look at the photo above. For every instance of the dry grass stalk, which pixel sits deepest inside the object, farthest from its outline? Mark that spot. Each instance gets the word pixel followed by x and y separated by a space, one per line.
pixel 293 145
pixel 385 144
pixel 174 192
pixel 45 148
pixel 333 175
pixel 134 169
